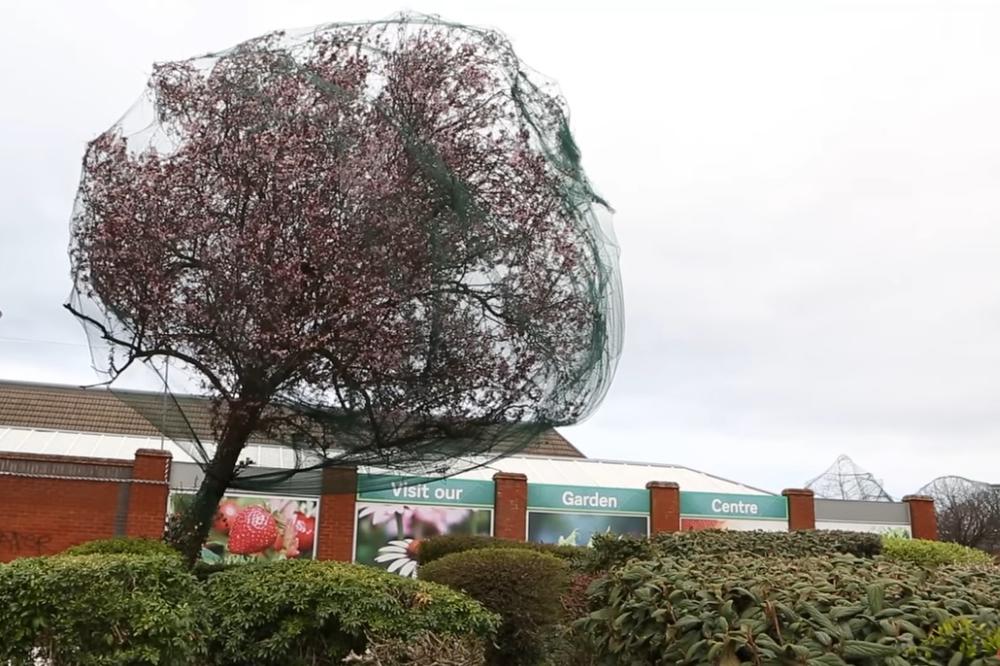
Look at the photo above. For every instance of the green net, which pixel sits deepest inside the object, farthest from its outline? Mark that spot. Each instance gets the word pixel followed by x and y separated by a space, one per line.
pixel 372 244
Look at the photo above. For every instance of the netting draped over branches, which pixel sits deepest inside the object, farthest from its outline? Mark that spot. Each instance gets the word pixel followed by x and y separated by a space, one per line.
pixel 846 480
pixel 968 512
pixel 372 244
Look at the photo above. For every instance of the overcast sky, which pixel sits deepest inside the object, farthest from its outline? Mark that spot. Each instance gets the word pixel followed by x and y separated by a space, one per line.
pixel 806 200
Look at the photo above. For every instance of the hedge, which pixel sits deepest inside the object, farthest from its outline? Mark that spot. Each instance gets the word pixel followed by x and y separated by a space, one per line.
pixel 835 610
pixel 123 546
pixel 437 547
pixel 99 609
pixel 524 587
pixel 308 612
pixel 932 553
pixel 612 550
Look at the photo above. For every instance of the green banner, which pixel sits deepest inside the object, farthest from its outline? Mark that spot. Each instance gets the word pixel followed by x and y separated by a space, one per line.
pixel 743 507
pixel 587 499
pixel 416 490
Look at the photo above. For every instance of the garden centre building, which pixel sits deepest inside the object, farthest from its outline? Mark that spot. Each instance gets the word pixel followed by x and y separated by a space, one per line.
pixel 78 464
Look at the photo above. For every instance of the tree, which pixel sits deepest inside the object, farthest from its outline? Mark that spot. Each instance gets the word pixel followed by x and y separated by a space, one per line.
pixel 375 237
pixel 968 512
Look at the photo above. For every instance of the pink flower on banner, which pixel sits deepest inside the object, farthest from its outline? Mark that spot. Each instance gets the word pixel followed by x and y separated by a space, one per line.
pixel 440 518
pixel 381 513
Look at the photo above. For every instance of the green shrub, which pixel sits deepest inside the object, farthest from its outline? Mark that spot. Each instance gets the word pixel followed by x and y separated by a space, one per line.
pixel 99 609
pixel 448 650
pixel 524 587
pixel 818 610
pixel 437 547
pixel 307 612
pixel 123 546
pixel 611 551
pixel 932 553
pixel 961 637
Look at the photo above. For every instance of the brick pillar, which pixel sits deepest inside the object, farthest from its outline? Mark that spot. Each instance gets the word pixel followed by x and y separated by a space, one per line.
pixel 146 515
pixel 801 509
pixel 923 518
pixel 664 507
pixel 510 506
pixel 337 514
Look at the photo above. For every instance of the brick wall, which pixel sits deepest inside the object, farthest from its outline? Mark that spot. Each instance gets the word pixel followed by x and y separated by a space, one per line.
pixel 664 507
pixel 337 508
pixel 50 503
pixel 801 509
pixel 510 504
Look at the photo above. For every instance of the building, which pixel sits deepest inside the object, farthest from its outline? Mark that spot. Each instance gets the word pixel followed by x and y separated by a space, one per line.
pixel 78 464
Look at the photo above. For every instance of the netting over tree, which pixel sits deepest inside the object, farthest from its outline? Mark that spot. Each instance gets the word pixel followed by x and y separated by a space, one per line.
pixel 846 480
pixel 371 243
pixel 968 512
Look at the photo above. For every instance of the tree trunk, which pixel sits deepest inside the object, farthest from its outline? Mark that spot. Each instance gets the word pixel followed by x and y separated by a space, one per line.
pixel 188 531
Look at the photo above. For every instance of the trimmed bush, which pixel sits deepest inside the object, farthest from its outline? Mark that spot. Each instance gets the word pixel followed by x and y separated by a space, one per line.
pixel 932 553
pixel 611 551
pixel 523 586
pixel 122 546
pixel 437 547
pixel 731 609
pixel 420 650
pixel 99 609
pixel 308 612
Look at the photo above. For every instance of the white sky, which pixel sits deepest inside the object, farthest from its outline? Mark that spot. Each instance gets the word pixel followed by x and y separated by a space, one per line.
pixel 806 195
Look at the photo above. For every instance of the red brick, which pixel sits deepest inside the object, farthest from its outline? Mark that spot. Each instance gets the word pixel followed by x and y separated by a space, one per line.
pixel 337 514
pixel 664 507
pixel 801 509
pixel 923 517
pixel 510 506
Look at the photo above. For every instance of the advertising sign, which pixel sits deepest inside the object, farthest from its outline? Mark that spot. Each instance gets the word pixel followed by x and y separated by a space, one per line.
pixel 572 515
pixel 704 511
pixel 257 527
pixel 388 535
pixel 414 490
pixel 588 499
pixel 394 513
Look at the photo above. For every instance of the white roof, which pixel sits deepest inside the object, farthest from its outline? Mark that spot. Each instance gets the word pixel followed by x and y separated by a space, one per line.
pixel 560 471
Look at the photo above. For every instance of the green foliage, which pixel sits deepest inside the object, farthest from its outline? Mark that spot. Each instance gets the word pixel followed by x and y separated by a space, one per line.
pixel 437 547
pixel 522 586
pixel 611 551
pixel 306 612
pixel 730 609
pixel 123 546
pixel 962 637
pixel 932 553
pixel 103 609
pixel 447 650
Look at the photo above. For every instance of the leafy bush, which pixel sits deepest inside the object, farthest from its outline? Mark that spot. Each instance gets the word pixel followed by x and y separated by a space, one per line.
pixel 962 637
pixel 99 609
pixel 932 553
pixel 731 609
pixel 122 546
pixel 423 649
pixel 437 547
pixel 307 612
pixel 522 586
pixel 611 551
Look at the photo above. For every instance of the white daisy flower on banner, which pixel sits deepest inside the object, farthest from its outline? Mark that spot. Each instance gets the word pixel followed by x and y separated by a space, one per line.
pixel 401 555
